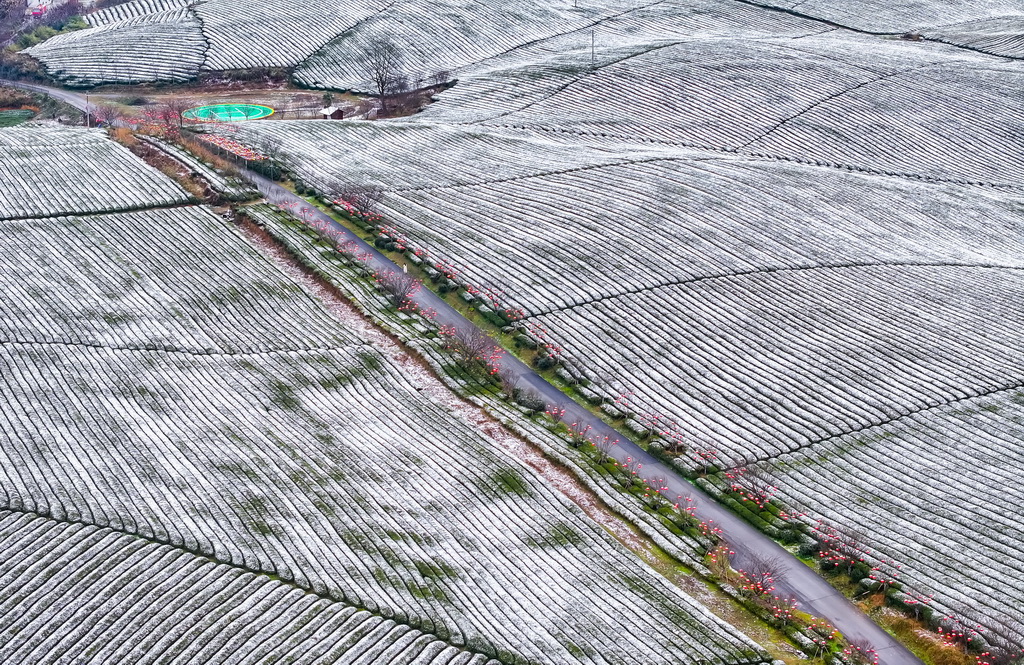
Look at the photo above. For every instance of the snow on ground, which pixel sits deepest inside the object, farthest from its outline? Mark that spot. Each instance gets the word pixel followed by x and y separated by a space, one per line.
pixel 49 171
pixel 165 46
pixel 163 380
pixel 776 240
pixel 123 599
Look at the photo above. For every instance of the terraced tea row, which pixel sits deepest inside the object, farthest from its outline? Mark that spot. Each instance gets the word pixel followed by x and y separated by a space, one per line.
pixel 277 33
pixel 759 304
pixel 757 365
pixel 133 9
pixel 999 36
pixel 297 464
pixel 122 599
pixel 832 98
pixel 915 15
pixel 506 209
pixel 93 281
pixel 929 492
pixel 75 171
pixel 448 35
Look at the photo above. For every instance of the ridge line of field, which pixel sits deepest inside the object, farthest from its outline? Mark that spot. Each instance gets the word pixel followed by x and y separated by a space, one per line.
pixel 347 31
pixel 644 50
pixel 829 98
pixel 640 50
pixel 159 206
pixel 759 271
pixel 874 33
pixel 913 412
pixel 541 174
pixel 807 161
pixel 589 26
pixel 153 540
pixel 174 350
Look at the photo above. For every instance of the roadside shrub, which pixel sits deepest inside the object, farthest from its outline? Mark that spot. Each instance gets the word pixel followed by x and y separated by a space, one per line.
pixel 544 362
pixel 529 399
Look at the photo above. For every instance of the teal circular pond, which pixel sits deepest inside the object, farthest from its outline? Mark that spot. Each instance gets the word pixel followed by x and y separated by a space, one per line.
pixel 227 112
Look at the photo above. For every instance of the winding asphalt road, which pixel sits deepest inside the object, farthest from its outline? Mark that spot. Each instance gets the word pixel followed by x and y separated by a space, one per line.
pixel 813 594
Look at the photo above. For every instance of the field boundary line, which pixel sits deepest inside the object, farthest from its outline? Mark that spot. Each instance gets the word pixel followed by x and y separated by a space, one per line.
pixel 829 98
pixel 542 174
pixel 806 161
pixel 874 33
pixel 759 271
pixel 913 412
pixel 159 206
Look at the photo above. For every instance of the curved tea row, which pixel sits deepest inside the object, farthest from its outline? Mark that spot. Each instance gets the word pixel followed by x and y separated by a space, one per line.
pixel 122 599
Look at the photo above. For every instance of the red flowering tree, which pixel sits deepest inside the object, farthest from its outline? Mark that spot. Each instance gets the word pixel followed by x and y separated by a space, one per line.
pixel 840 547
pixel 752 484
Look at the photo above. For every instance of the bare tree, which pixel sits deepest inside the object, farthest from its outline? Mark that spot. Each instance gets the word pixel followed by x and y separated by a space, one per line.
pixel 530 399
pixel 270 147
pixel 509 379
pixel 763 574
pixel 364 200
pixel 850 544
pixel 656 485
pixel 579 434
pixel 754 484
pixel 400 287
pixel 630 470
pixel 382 63
pixel 556 412
pixel 705 456
pixel 348 249
pixel 108 115
pixel 440 77
pixel 399 85
pixel 840 546
pixel 476 351
pixel 604 448
pixel 860 652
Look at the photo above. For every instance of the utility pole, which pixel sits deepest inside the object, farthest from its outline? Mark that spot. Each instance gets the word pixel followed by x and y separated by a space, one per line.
pixel 592 38
pixel 88 117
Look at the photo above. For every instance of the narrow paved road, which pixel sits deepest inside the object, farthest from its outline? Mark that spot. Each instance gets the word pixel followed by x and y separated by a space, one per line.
pixel 75 99
pixel 813 594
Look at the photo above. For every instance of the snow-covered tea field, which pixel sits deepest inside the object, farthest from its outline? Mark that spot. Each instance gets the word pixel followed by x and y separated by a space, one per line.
pixel 797 244
pixel 183 421
pixel 48 172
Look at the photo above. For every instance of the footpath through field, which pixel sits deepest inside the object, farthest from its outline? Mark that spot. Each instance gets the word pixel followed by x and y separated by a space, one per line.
pixel 812 592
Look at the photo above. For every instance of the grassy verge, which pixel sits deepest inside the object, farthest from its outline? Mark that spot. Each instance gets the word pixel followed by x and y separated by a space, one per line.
pixel 10 118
